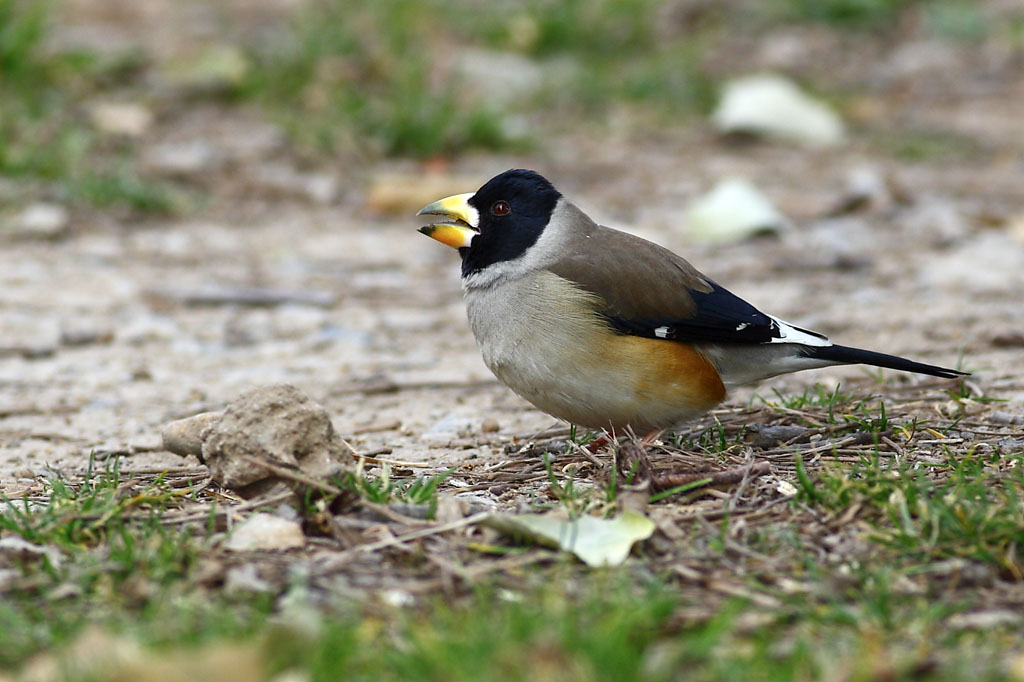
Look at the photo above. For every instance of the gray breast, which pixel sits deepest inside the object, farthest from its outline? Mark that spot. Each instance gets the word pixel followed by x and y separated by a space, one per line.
pixel 531 324
pixel 541 338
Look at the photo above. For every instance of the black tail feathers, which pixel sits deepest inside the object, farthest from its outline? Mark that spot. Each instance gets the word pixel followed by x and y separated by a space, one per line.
pixel 857 356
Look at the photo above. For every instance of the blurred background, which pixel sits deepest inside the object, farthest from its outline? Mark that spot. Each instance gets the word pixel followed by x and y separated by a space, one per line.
pixel 197 196
pixel 154 107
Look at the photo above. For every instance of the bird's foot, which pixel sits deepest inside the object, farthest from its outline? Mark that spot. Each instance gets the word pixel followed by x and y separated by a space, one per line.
pixel 634 464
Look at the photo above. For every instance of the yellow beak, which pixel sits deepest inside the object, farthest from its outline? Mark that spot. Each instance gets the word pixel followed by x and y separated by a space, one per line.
pixel 459 234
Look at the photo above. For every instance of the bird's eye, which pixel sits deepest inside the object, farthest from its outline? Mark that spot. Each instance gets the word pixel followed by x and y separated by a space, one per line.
pixel 501 208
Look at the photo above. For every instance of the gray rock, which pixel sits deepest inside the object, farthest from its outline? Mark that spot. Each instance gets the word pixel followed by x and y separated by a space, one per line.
pixel 84 334
pixel 936 220
pixel 16 548
pixel 865 188
pixel 276 424
pixel 498 77
pixel 27 335
pixel 989 263
pixel 40 220
pixel 128 119
pixel 771 435
pixel 283 181
pixel 245 579
pixel 148 329
pixel 181 158
pixel 449 427
pixel 1008 337
pixel 185 436
pixel 918 59
pixel 985 621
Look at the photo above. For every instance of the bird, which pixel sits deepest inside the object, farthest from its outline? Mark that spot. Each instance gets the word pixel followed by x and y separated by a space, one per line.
pixel 604 329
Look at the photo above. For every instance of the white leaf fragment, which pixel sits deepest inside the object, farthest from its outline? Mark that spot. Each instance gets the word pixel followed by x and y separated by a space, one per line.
pixel 773 106
pixel 596 542
pixel 733 210
pixel 265 531
pixel 786 489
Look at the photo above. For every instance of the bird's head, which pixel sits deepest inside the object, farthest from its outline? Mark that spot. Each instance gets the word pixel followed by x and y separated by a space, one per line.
pixel 497 223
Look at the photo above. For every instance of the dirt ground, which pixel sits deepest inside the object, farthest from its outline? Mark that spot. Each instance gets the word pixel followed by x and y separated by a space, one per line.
pixel 121 324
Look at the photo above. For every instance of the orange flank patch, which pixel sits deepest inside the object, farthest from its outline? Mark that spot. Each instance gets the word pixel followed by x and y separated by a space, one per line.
pixel 670 372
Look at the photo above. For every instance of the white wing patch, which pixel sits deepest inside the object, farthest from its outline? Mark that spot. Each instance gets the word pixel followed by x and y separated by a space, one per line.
pixel 662 332
pixel 790 334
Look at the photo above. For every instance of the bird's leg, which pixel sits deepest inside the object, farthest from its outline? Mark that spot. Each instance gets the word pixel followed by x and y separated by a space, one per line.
pixel 595 445
pixel 633 461
pixel 605 438
pixel 650 438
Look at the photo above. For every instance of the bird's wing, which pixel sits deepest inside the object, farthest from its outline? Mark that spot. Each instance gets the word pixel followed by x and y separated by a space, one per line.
pixel 646 290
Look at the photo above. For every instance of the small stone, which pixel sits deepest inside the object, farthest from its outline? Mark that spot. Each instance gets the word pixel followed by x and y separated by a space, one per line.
pixel 1008 338
pixel 287 512
pixel 1015 227
pixel 149 329
pixel 208 572
pixel 246 578
pixel 85 335
pixel 772 435
pixel 834 243
pixel 916 60
pixel 397 598
pixel 865 188
pixel 181 159
pixel 265 532
pixel 30 336
pixel 284 181
pixel 128 119
pixel 449 509
pixel 66 590
pixel 490 425
pixel 40 220
pixel 985 620
pixel 8 579
pixel 248 328
pixel 448 428
pixel 521 77
pixel 1006 418
pixel 989 263
pixel 250 141
pixel 298 321
pixel 936 220
pixel 185 436
pixel 141 373
pixel 16 548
